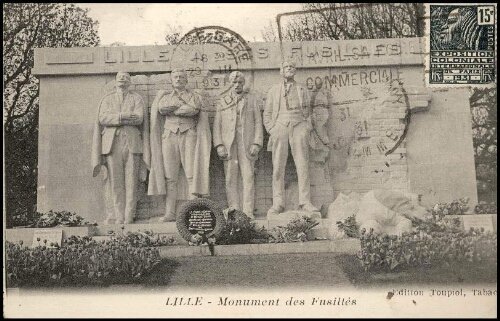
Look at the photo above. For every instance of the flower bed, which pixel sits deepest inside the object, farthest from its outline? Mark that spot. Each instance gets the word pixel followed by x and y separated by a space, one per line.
pixel 349 227
pixel 456 207
pixel 436 240
pixel 147 239
pixel 240 229
pixel 80 261
pixel 295 231
pixel 419 248
pixel 50 219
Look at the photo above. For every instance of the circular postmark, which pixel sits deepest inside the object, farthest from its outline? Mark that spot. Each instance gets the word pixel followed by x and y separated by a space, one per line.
pixel 374 128
pixel 398 91
pixel 382 127
pixel 208 55
pixel 200 216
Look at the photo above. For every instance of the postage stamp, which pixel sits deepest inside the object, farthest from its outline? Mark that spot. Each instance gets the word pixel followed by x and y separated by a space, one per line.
pixel 462 43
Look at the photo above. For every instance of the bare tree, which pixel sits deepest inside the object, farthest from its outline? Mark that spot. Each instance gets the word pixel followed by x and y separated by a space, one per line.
pixel 173 35
pixel 27 26
pixel 334 21
pixel 173 38
pixel 483 102
pixel 269 33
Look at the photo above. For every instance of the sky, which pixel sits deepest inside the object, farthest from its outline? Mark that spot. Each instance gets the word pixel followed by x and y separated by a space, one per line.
pixel 138 24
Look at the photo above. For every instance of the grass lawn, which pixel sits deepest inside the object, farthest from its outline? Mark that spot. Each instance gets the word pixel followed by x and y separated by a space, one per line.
pixel 261 271
pixel 315 270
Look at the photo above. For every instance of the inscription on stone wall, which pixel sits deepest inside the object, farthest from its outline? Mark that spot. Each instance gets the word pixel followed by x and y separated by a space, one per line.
pixel 213 56
pixel 356 77
pixel 138 55
pixel 71 57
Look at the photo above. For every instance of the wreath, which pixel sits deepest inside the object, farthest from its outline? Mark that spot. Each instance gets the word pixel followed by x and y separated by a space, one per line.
pixel 182 220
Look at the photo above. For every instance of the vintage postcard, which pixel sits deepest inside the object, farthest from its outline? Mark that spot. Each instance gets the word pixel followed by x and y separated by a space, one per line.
pixel 250 160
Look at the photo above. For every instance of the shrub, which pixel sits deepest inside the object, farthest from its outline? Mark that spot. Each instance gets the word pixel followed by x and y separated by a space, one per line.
pixel 240 229
pixel 485 208
pixel 80 261
pixel 390 252
pixel 294 231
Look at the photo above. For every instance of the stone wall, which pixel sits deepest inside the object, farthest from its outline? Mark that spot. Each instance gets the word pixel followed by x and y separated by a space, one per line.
pixel 375 96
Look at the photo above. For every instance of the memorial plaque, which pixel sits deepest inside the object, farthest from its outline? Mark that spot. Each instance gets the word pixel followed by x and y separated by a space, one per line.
pixel 200 220
pixel 49 235
pixel 478 222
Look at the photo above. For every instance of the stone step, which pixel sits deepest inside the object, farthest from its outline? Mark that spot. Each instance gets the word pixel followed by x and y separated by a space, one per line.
pixel 160 228
pixel 166 228
pixel 342 246
pixel 171 228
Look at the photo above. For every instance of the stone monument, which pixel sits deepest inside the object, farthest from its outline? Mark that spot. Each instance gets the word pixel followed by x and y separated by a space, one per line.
pixel 393 147
pixel 180 135
pixel 120 144
pixel 287 118
pixel 238 138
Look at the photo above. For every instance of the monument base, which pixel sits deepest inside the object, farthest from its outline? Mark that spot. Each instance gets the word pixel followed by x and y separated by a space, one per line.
pixel 169 229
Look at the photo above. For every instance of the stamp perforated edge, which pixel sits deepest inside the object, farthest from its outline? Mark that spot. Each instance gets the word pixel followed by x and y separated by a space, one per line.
pixel 427 56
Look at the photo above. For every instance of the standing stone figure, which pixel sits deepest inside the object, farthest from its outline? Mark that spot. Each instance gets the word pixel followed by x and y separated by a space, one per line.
pixel 121 143
pixel 287 118
pixel 180 134
pixel 238 138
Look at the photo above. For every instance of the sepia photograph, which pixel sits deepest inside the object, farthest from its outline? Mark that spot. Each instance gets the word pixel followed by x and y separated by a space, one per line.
pixel 248 160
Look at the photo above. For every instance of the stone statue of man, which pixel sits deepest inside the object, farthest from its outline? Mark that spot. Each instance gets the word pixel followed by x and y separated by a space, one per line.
pixel 238 138
pixel 287 119
pixel 121 143
pixel 180 135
